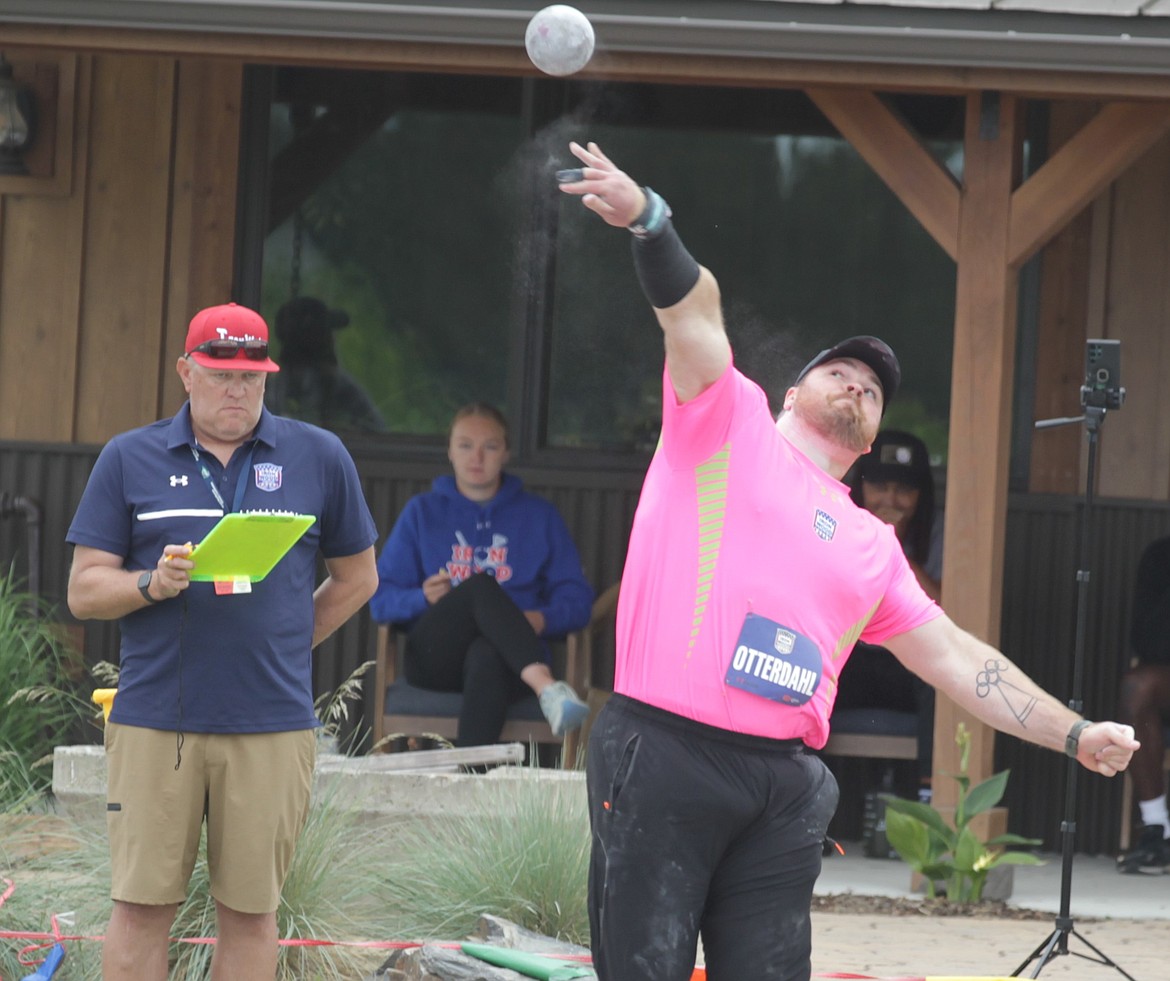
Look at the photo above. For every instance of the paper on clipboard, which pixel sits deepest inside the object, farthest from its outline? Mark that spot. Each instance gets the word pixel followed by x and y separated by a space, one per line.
pixel 247 545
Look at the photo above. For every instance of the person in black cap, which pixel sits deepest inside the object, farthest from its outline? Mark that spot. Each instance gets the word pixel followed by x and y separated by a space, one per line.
pixel 312 386
pixel 894 481
pixel 749 576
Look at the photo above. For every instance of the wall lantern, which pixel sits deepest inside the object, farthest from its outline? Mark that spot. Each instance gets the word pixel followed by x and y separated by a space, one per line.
pixel 17 123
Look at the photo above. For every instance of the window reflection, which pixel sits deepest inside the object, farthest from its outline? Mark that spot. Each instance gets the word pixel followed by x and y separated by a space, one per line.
pixel 423 206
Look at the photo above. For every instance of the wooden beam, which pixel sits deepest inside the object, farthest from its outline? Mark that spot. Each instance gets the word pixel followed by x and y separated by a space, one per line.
pixel 981 403
pixel 607 65
pixel 1082 168
pixel 893 150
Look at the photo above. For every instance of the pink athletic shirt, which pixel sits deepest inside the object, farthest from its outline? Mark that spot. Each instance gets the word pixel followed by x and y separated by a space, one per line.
pixel 751 574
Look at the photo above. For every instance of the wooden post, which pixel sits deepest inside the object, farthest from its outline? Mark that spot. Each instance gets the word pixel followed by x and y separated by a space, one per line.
pixel 981 403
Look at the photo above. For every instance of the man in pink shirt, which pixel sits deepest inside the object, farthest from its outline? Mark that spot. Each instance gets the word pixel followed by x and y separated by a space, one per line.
pixel 749 577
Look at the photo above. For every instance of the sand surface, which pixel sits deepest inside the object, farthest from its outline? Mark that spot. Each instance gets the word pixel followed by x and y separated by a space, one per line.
pixel 900 946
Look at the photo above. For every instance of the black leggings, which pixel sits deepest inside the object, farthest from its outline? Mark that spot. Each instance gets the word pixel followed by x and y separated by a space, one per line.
pixel 477 641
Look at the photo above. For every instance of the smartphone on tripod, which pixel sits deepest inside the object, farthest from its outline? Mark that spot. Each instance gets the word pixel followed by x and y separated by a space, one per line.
pixel 1102 388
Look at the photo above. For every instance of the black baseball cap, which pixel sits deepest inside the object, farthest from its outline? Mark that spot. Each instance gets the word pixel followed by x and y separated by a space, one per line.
pixel 872 351
pixel 897 456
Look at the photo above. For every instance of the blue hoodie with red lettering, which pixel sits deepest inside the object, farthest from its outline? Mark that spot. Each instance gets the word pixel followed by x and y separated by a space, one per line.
pixel 517 537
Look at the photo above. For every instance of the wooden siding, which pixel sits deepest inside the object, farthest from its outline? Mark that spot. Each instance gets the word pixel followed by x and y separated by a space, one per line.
pixel 96 286
pixel 1135 457
pixel 1039 596
pixel 1039 606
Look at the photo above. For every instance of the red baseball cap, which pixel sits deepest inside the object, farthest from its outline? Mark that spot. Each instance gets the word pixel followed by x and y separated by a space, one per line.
pixel 229 337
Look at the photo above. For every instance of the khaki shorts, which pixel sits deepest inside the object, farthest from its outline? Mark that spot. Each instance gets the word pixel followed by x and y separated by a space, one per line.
pixel 253 790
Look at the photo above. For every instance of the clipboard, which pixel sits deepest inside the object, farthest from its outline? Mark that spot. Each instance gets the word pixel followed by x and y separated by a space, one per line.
pixel 247 545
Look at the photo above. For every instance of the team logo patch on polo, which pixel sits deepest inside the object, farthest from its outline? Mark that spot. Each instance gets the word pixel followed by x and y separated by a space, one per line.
pixel 774 662
pixel 824 525
pixel 268 476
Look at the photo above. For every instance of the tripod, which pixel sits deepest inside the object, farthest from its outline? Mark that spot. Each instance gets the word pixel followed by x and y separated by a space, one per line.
pixel 1056 944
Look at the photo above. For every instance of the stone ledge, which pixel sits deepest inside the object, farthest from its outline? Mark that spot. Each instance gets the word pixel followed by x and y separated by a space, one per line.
pixel 381 786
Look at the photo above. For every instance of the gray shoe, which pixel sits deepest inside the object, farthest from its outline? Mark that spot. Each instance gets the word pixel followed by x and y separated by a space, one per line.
pixel 1150 856
pixel 563 709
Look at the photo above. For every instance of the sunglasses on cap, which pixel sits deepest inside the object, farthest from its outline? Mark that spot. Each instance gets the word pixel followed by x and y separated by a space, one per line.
pixel 226 348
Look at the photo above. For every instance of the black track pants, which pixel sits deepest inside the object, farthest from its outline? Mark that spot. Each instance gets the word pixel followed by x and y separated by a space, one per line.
pixel 699 831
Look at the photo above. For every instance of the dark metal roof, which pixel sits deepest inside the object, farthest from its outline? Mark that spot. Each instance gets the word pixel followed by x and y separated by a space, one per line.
pixel 1130 36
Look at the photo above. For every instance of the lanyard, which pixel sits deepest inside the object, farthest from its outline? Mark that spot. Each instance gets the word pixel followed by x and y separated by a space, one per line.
pixel 241 483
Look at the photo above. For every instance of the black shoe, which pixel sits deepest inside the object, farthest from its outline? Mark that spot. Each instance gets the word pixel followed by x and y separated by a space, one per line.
pixel 1150 856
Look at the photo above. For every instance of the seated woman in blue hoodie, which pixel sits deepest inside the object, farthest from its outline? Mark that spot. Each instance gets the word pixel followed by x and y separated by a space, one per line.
pixel 478 571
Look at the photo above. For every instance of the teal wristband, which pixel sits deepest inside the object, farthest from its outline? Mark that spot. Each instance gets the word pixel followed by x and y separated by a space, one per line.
pixel 653 216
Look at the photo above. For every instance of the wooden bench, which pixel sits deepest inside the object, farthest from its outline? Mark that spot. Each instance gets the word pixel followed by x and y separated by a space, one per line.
pixel 873 733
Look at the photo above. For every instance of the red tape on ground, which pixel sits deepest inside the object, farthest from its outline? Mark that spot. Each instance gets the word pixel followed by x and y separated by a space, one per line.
pixel 48 940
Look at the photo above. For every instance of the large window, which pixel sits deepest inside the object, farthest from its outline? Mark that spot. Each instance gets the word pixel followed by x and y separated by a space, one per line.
pixel 422 212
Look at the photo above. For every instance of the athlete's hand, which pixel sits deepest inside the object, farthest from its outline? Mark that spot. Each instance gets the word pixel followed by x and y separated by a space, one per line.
pixel 604 189
pixel 1106 747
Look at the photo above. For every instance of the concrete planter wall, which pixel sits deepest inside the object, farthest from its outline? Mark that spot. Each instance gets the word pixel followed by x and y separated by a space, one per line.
pixel 381 787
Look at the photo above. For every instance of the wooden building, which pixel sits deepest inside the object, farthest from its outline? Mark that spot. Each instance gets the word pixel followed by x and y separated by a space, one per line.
pixel 142 185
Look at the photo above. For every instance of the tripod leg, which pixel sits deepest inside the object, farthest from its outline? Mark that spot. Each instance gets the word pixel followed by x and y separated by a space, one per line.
pixel 1102 957
pixel 1043 952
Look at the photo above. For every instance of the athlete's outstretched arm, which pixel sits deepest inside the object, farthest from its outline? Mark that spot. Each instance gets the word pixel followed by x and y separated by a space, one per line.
pixel 684 295
pixel 987 684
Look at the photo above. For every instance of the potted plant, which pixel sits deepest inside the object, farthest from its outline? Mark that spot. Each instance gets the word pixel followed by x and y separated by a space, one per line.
pixel 950 854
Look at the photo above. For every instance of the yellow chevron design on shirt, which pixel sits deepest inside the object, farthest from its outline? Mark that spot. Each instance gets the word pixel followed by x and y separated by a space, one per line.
pixel 711 498
pixel 849 638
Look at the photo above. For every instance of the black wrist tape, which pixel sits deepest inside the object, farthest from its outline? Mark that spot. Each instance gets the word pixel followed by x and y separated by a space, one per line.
pixel 666 270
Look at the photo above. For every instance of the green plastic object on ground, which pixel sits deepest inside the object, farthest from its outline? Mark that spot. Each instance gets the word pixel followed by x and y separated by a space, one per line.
pixel 535 966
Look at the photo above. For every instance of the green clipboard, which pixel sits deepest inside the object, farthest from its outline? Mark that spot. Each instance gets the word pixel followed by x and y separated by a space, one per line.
pixel 247 545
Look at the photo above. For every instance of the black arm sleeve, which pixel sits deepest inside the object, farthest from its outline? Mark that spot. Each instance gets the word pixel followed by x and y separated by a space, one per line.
pixel 666 270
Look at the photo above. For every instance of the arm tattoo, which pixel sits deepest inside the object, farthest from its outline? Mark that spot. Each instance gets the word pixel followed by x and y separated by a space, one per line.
pixel 1017 700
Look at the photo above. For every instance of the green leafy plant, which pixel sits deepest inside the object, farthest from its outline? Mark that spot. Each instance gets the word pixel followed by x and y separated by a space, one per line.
pixel 953 854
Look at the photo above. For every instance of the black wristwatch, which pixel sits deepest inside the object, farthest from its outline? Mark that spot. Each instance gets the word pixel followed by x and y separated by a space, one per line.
pixel 1073 740
pixel 144 585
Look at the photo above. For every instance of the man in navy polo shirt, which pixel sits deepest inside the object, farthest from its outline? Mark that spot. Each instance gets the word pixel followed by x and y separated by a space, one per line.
pixel 213 718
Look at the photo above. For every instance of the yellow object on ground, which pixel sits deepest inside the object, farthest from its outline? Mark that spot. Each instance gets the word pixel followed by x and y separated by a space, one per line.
pixel 105 698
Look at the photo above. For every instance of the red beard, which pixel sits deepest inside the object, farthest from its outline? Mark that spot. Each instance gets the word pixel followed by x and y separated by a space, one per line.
pixel 838 418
